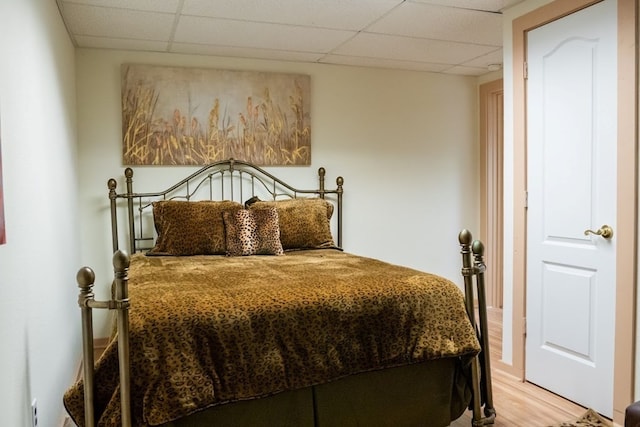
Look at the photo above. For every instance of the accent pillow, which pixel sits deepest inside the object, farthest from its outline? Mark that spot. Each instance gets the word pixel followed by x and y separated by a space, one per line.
pixel 304 223
pixel 252 232
pixel 191 228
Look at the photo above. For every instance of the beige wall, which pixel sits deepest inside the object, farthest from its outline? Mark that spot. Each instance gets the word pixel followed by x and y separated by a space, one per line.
pixel 405 142
pixel 39 331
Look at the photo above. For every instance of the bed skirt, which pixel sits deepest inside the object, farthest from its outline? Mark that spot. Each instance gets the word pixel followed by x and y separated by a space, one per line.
pixel 432 393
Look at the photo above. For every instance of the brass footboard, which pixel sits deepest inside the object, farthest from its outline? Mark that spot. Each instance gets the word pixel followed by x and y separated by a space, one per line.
pixel 120 303
pixel 481 365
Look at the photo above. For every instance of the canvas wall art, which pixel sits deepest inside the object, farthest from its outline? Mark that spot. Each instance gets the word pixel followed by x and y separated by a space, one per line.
pixel 195 116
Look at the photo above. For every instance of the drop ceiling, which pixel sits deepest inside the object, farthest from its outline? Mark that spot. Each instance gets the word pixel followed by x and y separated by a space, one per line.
pixel 445 36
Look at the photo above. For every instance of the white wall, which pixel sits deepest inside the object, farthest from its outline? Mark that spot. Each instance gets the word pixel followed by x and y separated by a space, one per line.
pixel 39 339
pixel 405 142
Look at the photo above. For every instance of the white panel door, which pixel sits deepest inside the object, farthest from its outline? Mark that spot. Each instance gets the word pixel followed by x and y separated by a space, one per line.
pixel 571 172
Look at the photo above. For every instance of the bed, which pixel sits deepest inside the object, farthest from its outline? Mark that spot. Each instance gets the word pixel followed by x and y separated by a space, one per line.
pixel 236 306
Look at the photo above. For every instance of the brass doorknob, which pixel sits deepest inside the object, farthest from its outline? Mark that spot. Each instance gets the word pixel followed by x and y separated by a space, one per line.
pixel 604 231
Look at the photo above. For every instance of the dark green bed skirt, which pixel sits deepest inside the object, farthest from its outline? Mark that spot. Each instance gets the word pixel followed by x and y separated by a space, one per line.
pixel 428 394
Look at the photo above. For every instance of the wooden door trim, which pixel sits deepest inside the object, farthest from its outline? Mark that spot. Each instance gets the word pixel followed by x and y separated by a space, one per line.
pixel 627 212
pixel 627 176
pixel 491 188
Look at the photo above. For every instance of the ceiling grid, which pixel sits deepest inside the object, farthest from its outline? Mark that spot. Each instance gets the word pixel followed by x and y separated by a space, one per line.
pixel 446 36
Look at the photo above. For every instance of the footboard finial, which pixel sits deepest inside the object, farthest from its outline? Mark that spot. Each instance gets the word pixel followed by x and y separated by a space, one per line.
pixel 85 278
pixel 465 237
pixel 478 248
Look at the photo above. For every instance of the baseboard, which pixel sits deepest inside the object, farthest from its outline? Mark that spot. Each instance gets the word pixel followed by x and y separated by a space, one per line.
pixel 506 368
pixel 99 344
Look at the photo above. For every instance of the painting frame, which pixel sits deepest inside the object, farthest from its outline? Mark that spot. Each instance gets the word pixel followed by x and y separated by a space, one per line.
pixel 196 116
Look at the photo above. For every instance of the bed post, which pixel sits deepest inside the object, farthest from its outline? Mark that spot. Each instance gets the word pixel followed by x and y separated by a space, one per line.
pixel 478 251
pixel 120 303
pixel 321 174
pixel 121 264
pixel 339 183
pixel 480 374
pixel 112 184
pixel 86 278
pixel 321 191
pixel 128 173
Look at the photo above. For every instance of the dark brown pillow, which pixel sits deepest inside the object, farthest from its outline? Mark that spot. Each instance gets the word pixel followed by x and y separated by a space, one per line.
pixel 304 222
pixel 252 232
pixel 191 228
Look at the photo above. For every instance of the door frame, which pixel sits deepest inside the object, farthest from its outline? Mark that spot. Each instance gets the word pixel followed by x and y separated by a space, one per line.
pixel 491 186
pixel 626 181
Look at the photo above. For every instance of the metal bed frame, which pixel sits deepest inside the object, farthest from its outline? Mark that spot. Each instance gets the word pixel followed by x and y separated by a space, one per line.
pixel 237 180
pixel 228 179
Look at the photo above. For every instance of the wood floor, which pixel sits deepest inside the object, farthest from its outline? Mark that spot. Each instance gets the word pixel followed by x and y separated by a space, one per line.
pixel 518 403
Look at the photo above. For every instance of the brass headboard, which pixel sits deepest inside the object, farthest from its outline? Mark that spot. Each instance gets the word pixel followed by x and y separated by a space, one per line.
pixel 224 180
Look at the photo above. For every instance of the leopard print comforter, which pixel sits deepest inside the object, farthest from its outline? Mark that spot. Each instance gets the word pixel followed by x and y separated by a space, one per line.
pixel 207 330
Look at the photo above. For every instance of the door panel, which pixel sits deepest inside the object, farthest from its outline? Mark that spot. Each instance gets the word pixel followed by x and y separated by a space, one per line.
pixel 571 172
pixel 568 289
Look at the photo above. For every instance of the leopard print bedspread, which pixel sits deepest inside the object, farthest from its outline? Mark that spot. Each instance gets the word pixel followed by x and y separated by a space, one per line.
pixel 206 330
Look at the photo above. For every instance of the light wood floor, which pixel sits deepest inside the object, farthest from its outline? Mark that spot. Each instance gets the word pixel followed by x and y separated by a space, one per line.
pixel 518 403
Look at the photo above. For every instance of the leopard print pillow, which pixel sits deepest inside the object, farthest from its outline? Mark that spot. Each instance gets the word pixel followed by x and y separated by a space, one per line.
pixel 304 222
pixel 190 228
pixel 252 232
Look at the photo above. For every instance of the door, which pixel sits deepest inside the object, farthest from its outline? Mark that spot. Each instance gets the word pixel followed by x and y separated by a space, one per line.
pixel 571 172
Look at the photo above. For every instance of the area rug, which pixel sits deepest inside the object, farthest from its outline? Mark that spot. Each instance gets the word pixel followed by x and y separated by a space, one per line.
pixel 589 419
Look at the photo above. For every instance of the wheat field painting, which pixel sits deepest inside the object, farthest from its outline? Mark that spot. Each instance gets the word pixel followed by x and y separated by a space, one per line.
pixel 195 116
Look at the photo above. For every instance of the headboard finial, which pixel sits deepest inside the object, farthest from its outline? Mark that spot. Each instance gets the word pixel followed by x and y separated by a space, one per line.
pixel 128 173
pixel 121 260
pixel 112 184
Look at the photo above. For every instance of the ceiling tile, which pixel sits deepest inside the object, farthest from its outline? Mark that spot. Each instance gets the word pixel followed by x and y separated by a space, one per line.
pixel 224 32
pixel 117 23
pixel 484 61
pixel 336 14
pixel 276 55
pixel 169 6
pixel 444 23
pixel 466 71
pixel 383 63
pixel 122 44
pixel 411 49
pixel 488 5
